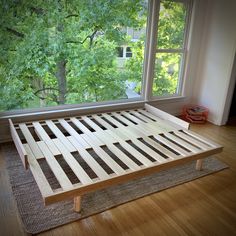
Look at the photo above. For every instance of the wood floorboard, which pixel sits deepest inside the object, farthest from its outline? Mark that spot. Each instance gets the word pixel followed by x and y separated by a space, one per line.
pixel 205 206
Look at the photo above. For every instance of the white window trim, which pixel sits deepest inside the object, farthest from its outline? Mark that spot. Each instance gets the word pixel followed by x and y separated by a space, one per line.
pixel 147 80
pixel 184 50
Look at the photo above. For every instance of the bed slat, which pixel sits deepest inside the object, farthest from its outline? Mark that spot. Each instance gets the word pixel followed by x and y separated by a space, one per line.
pixel 30 140
pixel 74 165
pixel 60 136
pixel 38 174
pixel 42 134
pixel 55 167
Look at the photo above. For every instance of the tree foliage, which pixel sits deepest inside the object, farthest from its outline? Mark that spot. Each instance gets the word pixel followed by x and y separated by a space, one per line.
pixel 171 29
pixel 63 52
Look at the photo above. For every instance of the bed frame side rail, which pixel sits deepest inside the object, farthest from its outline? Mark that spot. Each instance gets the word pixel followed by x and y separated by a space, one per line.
pixel 168 117
pixel 19 146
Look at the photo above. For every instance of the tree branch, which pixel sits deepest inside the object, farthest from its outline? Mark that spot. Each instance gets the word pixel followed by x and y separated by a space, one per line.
pixel 47 88
pixel 16 33
pixel 83 41
pixel 72 15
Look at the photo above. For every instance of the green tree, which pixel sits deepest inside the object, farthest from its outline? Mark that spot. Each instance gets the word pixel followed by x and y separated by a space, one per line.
pixel 58 51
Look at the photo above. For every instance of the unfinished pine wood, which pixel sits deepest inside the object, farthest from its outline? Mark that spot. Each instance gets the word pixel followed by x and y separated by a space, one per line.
pixel 77 204
pixel 131 143
pixel 38 174
pixel 42 134
pixel 60 136
pixel 166 116
pixel 30 140
pixel 199 164
pixel 55 167
pixel 20 148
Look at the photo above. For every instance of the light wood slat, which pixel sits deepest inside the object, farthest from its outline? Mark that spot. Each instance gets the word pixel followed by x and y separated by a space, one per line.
pixel 141 116
pixel 156 127
pixel 159 121
pixel 97 169
pixel 44 137
pixel 108 160
pixel 105 157
pixel 91 123
pixel 75 142
pixel 148 114
pixel 171 145
pixel 80 125
pixel 159 126
pixel 134 118
pixel 123 119
pixel 125 145
pixel 150 126
pixel 118 133
pixel 192 140
pixel 182 142
pixel 167 117
pixel 60 136
pixel 55 167
pixel 104 137
pixel 131 129
pixel 160 148
pixel 38 174
pixel 102 122
pixel 132 132
pixel 149 151
pixel 123 157
pixel 136 154
pixel 202 139
pixel 109 128
pixel 74 133
pixel 146 128
pixel 139 130
pixel 18 144
pixel 109 140
pixel 92 139
pixel 112 120
pixel 130 149
pixel 30 140
pixel 88 135
pixel 74 165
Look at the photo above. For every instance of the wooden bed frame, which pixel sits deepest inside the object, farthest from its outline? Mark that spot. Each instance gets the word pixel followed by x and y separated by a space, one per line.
pixel 144 140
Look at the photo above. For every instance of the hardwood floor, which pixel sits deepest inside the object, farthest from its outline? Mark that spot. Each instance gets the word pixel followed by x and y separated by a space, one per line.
pixel 206 206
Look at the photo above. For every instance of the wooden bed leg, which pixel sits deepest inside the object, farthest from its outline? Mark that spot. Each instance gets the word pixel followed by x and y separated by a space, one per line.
pixel 77 204
pixel 199 164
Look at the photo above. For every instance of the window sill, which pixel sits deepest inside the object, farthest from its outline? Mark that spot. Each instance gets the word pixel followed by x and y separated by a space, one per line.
pixel 71 109
pixel 50 112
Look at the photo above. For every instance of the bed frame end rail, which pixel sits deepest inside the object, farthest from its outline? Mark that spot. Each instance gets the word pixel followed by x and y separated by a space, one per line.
pixel 19 146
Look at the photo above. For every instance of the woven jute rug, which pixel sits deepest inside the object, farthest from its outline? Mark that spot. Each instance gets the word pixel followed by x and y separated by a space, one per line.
pixel 37 218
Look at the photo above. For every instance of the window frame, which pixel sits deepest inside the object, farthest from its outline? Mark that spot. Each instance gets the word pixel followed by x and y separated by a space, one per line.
pixel 147 78
pixel 184 51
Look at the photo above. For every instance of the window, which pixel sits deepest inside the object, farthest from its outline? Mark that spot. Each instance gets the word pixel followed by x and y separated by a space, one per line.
pixel 171 48
pixel 68 52
pixel 128 52
pixel 120 51
pixel 73 52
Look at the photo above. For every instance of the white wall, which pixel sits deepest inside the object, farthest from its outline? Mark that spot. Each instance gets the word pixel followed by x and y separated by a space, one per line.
pixel 218 46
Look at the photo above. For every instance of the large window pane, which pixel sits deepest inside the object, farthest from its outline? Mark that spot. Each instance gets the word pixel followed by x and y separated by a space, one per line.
pixel 166 75
pixel 171 48
pixel 68 52
pixel 171 25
